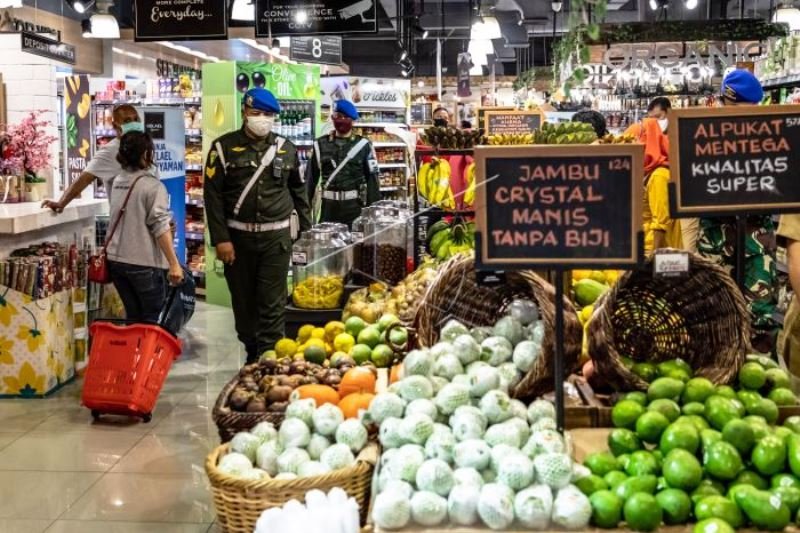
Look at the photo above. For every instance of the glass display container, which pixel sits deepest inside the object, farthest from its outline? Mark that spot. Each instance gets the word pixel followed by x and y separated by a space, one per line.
pixel 384 250
pixel 319 268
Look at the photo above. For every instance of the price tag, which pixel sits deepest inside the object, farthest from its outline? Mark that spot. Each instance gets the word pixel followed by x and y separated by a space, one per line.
pixel 299 258
pixel 670 264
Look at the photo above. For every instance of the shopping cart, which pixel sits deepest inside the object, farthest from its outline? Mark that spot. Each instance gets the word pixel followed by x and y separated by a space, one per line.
pixel 128 364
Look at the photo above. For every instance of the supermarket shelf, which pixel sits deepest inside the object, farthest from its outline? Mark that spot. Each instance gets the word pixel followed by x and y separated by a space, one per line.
pixel 173 100
pixel 302 142
pixel 392 165
pixel 779 82
pixel 379 124
pixel 388 145
pixel 392 188
pixel 194 167
pixel 194 201
pixel 194 132
pixel 194 236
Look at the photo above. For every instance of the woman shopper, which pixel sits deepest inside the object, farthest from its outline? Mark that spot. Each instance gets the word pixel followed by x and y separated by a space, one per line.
pixel 141 259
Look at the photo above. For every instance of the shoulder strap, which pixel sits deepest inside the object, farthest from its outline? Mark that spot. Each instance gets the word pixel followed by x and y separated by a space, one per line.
pixel 350 155
pixel 266 161
pixel 121 211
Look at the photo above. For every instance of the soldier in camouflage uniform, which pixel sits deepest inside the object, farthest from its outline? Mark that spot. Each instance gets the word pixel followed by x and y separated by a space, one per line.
pixel 718 236
pixel 346 167
pixel 252 183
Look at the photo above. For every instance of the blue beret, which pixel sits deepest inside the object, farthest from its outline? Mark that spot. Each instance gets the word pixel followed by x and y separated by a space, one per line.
pixel 346 108
pixel 263 100
pixel 742 86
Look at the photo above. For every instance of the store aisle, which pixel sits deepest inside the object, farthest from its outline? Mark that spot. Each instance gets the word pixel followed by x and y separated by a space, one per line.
pixel 61 473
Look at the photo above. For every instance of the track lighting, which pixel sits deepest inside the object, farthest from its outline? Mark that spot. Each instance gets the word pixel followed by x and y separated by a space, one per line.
pixel 80 6
pixel 691 4
pixel 556 5
pixel 86 28
pixel 243 10
pixel 276 47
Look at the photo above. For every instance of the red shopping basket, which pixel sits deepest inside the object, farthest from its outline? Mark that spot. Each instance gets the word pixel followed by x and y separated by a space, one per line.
pixel 127 368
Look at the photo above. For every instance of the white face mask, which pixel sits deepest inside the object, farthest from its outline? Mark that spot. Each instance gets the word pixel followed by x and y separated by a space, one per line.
pixel 260 125
pixel 662 122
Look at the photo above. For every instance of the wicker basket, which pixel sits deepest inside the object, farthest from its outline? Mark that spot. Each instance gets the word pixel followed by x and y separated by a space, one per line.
pixel 456 294
pixel 240 502
pixel 230 422
pixel 701 318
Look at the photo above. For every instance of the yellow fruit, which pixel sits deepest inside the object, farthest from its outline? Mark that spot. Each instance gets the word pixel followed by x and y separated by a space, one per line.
pixel 344 342
pixel 285 347
pixel 586 313
pixel 332 329
pixel 328 348
pixel 304 333
pixel 314 342
pixel 318 333
pixel 578 275
pixel 612 276
pixel 598 275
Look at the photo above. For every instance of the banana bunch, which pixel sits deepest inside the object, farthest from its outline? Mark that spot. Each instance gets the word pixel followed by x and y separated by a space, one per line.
pixel 469 193
pixel 565 133
pixel 505 139
pixel 446 239
pixel 610 138
pixel 451 138
pixel 433 183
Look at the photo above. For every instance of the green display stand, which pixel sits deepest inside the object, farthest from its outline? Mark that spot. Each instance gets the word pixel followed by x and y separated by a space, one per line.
pixel 224 84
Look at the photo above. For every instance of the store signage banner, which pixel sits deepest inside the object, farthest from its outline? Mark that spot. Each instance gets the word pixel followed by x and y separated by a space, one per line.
pixel 464 66
pixel 366 92
pixel 553 206
pixel 77 125
pixel 42 46
pixel 734 160
pixel 176 20
pixel 165 125
pixel 677 55
pixel 301 17
pixel 511 122
pixel 325 50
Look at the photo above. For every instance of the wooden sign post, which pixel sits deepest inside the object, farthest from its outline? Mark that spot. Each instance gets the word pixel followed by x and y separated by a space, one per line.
pixel 512 122
pixel 735 161
pixel 559 207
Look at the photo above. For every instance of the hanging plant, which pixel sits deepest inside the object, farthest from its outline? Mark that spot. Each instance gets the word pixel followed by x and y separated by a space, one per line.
pixel 572 51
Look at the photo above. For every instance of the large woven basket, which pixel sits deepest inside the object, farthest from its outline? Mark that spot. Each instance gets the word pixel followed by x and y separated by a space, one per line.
pixel 456 294
pixel 230 422
pixel 240 502
pixel 701 318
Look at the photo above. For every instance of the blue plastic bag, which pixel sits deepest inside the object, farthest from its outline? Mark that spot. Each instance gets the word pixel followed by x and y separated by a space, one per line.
pixel 180 304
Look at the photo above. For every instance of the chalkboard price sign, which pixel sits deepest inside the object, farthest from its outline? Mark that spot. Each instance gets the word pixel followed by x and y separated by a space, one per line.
pixel 558 206
pixel 511 122
pixel 735 160
pixel 175 20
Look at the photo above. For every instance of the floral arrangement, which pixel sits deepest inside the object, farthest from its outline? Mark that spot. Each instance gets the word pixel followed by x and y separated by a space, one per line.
pixel 25 148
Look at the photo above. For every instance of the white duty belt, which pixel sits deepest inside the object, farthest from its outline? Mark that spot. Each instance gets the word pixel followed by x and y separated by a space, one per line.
pixel 340 196
pixel 266 161
pixel 256 227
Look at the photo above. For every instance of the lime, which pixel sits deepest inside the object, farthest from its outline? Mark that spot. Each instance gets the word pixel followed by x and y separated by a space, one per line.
pixel 623 460
pixel 790 497
pixel 646 371
pixel 765 408
pixel 615 478
pixel 668 408
pixel 627 362
pixel 650 425
pixel 740 434
pixel 625 413
pixel 314 354
pixel 778 378
pixel 270 354
pixel 622 440
pixel 591 484
pixel 782 432
pixel 361 353
pixel 784 480
pixel 722 461
pixel 676 505
pixel 693 408
pixel 601 463
pixel 719 507
pixel 635 485
pixel 637 396
pixel 726 391
pixel 735 490
pixel 759 424
pixel 682 470
pixel 720 410
pixel 703 491
pixel 782 396
pixel 642 463
pixel 679 436
pixel 642 512
pixel 747 396
pixel 662 484
pixel 606 509
pixel 387 320
pixel 719 486
pixel 676 373
pixel 354 325
pixel 752 376
pixel 679 364
pixel 769 455
pixel 669 388
pixel 370 335
pixel 793 423
pixel 748 477
pixel 382 356
pixel 709 437
pixel 713 525
pixel 398 336
pixel 697 390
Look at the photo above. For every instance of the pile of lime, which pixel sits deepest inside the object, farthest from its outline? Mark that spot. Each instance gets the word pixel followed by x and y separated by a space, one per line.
pixel 687 450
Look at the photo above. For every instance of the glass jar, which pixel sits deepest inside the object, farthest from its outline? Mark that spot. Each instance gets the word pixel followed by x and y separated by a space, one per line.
pixel 357 234
pixel 344 233
pixel 319 268
pixel 385 248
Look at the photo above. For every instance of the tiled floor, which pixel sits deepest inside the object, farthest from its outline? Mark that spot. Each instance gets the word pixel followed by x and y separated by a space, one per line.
pixel 62 473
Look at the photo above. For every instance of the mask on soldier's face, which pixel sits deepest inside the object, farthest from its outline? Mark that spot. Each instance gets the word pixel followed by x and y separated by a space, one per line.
pixel 342 125
pixel 260 125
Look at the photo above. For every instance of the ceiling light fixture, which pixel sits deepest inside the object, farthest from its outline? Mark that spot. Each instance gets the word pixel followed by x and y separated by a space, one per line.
pixel 243 10
pixel 103 24
pixel 788 15
pixel 276 47
pixel 10 3
pixel 691 4
pixel 80 6
pixel 556 5
pixel 301 17
pixel 86 28
pixel 488 28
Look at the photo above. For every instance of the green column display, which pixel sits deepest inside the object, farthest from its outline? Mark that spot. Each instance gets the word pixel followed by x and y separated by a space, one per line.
pixel 224 85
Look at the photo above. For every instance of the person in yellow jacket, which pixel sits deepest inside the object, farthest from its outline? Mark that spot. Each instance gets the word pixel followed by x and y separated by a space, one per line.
pixel 660 229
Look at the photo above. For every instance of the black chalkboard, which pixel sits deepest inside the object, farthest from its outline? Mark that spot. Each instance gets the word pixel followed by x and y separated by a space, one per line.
pixel 735 160
pixel 176 20
pixel 558 205
pixel 422 113
pixel 511 122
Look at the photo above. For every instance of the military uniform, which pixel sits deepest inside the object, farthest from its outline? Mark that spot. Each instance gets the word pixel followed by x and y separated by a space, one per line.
pixel 254 217
pixel 352 163
pixel 718 242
